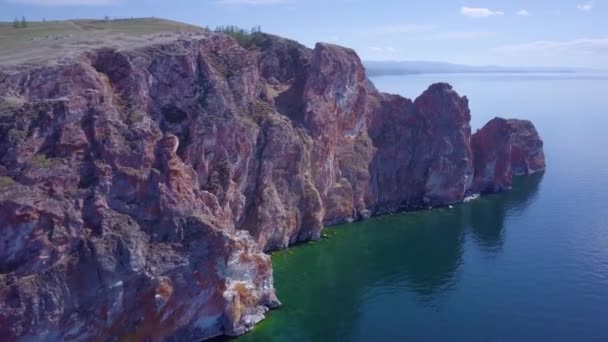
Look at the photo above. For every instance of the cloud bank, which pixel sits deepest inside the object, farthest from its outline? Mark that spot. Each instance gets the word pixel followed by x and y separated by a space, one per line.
pixel 587 7
pixel 550 47
pixel 251 2
pixel 479 12
pixel 54 3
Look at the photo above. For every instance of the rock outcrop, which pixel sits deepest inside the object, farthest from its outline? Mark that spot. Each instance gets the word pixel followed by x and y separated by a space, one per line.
pixel 423 157
pixel 503 149
pixel 140 187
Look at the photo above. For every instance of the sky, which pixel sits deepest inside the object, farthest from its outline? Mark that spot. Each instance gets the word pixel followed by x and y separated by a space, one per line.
pixel 477 32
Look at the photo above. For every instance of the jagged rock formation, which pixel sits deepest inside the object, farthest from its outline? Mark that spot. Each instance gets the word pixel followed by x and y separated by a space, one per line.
pixel 424 156
pixel 503 149
pixel 140 187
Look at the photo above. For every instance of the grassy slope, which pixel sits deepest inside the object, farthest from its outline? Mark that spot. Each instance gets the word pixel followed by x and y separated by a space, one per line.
pixel 53 37
pixel 9 36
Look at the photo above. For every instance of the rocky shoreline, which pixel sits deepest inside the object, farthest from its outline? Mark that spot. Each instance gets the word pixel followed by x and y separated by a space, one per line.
pixel 140 188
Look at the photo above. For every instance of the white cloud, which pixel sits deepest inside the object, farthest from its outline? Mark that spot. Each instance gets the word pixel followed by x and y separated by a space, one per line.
pixel 405 28
pixel 585 46
pixel 52 3
pixel 586 7
pixel 251 2
pixel 427 31
pixel 479 12
pixel 523 13
pixel 385 49
pixel 463 35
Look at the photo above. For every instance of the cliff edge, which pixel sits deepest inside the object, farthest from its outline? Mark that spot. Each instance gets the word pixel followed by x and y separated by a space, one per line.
pixel 141 185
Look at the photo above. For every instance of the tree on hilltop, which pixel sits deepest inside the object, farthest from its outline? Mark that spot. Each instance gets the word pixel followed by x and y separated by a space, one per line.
pixel 243 37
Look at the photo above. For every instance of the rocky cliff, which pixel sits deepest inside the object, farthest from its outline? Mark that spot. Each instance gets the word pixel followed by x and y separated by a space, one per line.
pixel 139 187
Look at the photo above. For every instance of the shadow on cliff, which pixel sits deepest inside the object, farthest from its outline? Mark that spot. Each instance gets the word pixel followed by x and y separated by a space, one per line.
pixel 327 286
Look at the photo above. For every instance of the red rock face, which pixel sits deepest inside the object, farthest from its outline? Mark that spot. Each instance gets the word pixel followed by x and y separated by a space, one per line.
pixel 503 149
pixel 126 173
pixel 423 153
pixel 335 98
pixel 527 155
pixel 139 188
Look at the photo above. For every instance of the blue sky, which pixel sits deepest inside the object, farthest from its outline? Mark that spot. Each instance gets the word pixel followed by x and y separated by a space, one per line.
pixel 479 32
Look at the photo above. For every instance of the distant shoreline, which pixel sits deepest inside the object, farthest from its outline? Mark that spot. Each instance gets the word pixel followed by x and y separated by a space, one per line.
pixel 501 74
pixel 402 68
pixel 374 73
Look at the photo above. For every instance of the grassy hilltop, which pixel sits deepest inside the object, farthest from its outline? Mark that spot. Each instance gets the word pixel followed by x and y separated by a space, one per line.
pixel 41 41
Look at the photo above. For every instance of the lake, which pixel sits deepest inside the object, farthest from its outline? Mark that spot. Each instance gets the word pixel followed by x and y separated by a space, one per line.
pixel 526 265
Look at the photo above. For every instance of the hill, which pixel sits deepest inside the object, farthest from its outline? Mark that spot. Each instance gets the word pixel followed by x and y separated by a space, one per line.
pixel 379 68
pixel 44 41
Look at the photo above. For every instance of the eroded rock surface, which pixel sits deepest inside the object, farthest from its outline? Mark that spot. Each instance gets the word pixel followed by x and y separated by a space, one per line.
pixel 140 187
pixel 503 149
pixel 423 156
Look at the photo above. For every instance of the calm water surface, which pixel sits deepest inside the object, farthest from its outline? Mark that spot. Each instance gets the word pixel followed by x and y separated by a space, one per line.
pixel 526 265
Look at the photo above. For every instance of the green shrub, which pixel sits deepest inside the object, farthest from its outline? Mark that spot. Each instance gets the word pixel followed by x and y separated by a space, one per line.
pixel 10 104
pixel 135 116
pixel 16 135
pixel 42 161
pixel 6 181
pixel 243 37
pixel 137 173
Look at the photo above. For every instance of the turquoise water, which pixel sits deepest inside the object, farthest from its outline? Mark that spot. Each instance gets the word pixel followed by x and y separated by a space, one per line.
pixel 526 265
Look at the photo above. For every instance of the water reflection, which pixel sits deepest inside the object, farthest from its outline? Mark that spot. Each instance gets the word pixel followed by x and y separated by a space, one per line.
pixel 487 214
pixel 378 267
